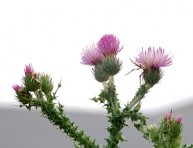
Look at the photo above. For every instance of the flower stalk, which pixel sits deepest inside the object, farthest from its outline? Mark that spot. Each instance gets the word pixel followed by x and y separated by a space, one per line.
pixel 111 79
pixel 64 123
pixel 139 95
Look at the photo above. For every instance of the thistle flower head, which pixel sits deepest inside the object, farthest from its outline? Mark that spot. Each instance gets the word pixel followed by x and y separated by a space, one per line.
pixel 168 116
pixel 153 58
pixel 16 87
pixel 178 119
pixel 91 56
pixel 31 79
pixel 109 45
pixel 28 70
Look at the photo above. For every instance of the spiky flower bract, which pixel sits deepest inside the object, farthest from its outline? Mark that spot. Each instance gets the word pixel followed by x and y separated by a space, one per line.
pixel 111 65
pixel 46 83
pixel 99 73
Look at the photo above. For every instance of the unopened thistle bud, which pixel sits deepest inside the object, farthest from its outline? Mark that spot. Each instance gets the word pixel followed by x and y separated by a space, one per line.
pixel 31 79
pixel 23 95
pixel 16 87
pixel 172 127
pixel 47 84
pixel 28 70
pixel 32 82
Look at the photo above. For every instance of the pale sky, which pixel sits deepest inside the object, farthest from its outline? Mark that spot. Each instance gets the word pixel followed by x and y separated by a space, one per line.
pixel 51 35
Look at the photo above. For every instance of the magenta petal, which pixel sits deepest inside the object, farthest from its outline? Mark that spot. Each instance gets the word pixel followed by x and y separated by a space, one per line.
pixel 168 115
pixel 153 58
pixel 16 87
pixel 28 69
pixel 179 119
pixel 91 56
pixel 109 45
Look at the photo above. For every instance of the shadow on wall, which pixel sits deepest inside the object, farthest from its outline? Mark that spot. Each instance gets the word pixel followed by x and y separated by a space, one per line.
pixel 20 128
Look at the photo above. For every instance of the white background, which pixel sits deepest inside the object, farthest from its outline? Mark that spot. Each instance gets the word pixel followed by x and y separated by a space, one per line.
pixel 51 35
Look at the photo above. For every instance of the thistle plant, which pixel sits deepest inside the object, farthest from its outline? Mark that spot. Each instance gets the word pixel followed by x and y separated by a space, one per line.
pixel 168 133
pixel 37 91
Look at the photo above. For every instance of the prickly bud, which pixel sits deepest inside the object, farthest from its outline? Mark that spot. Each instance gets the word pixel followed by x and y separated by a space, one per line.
pixel 47 84
pixel 111 65
pixel 152 76
pixel 32 82
pixel 24 96
pixel 99 73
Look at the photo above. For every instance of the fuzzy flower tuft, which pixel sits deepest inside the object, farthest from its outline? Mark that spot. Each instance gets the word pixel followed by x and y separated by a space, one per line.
pixel 28 70
pixel 179 119
pixel 91 56
pixel 109 45
pixel 16 87
pixel 153 58
pixel 168 116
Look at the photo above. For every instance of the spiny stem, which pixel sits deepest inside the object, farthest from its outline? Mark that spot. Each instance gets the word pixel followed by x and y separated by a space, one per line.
pixel 115 118
pixel 59 85
pixel 64 123
pixel 104 83
pixel 111 79
pixel 139 95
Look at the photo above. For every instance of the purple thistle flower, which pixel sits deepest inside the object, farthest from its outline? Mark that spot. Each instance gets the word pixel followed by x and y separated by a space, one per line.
pixel 153 58
pixel 168 116
pixel 179 119
pixel 109 45
pixel 91 55
pixel 28 69
pixel 16 87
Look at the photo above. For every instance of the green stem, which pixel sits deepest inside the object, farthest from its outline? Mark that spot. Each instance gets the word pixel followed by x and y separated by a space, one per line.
pixel 59 85
pixel 117 121
pixel 111 79
pixel 64 123
pixel 113 105
pixel 104 83
pixel 168 145
pixel 134 114
pixel 139 95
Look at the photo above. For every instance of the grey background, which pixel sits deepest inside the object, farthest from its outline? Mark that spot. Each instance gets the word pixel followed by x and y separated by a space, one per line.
pixel 20 128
